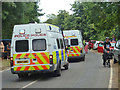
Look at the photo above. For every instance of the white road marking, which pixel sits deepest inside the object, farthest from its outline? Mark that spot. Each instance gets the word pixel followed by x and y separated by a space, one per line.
pixel 28 84
pixel 111 76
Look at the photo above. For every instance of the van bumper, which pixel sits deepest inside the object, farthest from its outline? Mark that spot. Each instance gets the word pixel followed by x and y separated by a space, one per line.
pixel 34 71
pixel 76 57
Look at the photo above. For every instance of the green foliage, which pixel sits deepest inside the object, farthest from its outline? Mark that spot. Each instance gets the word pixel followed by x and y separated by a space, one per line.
pixel 96 20
pixel 17 13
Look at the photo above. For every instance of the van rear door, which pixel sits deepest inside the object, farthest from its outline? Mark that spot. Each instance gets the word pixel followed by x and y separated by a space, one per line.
pixel 39 48
pixel 21 48
pixel 74 47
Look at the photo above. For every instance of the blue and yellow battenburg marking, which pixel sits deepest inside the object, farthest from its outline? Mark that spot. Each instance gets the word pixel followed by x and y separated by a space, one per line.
pixel 61 54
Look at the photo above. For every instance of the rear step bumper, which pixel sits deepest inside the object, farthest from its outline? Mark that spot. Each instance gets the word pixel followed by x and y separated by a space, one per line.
pixel 76 57
pixel 34 71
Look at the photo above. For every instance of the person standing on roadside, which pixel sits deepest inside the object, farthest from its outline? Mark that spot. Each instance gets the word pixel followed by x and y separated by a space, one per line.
pixel 113 38
pixel 8 49
pixel 84 42
pixel 1 49
pixel 86 47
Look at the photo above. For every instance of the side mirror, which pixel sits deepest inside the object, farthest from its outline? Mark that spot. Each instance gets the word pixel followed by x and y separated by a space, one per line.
pixel 68 45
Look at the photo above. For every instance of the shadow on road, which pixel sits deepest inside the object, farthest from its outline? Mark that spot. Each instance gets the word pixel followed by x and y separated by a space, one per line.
pixel 75 60
pixel 39 76
pixel 36 76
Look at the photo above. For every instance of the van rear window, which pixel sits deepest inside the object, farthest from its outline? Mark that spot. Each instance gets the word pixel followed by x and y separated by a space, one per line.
pixel 21 46
pixel 39 44
pixel 74 41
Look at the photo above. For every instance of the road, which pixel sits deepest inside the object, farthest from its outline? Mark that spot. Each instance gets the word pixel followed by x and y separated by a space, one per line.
pixel 87 74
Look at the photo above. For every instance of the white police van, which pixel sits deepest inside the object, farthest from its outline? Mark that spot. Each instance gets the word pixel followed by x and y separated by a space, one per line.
pixel 37 48
pixel 74 42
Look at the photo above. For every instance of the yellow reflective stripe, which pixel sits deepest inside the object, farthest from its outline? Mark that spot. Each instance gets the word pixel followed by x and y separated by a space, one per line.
pixel 22 56
pixel 36 62
pixel 69 36
pixel 54 57
pixel 76 50
pixel 29 68
pixel 64 54
pixel 40 67
pixel 48 67
pixel 23 68
pixel 60 55
pixel 70 55
pixel 42 59
pixel 32 68
pixel 32 56
pixel 47 54
pixel 74 54
pixel 52 25
pixel 15 68
pixel 14 56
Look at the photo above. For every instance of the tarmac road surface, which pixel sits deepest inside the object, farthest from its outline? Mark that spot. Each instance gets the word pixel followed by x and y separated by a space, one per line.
pixel 84 74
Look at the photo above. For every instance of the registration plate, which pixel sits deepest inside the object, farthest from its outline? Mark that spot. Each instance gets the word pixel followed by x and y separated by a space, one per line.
pixel 26 61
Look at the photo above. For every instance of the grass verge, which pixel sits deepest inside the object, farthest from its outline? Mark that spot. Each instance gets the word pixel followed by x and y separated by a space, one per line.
pixel 119 76
pixel 4 64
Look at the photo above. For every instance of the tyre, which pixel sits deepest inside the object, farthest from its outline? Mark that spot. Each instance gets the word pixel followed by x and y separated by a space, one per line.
pixel 58 71
pixel 22 75
pixel 119 59
pixel 66 66
pixel 83 59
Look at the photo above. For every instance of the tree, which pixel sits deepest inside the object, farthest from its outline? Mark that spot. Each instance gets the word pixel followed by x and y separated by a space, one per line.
pixel 17 13
pixel 96 19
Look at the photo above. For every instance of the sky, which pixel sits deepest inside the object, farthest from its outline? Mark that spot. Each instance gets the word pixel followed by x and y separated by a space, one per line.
pixel 53 6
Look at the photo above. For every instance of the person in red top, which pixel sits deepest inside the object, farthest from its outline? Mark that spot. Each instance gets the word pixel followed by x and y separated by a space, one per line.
pixel 89 45
pixel 86 48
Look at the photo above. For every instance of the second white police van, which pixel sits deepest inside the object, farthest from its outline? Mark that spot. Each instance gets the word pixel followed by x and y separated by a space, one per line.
pixel 74 42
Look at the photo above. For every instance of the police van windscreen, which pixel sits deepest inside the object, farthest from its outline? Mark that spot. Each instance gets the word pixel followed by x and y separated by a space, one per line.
pixel 74 42
pixel 21 46
pixel 39 44
pixel 66 42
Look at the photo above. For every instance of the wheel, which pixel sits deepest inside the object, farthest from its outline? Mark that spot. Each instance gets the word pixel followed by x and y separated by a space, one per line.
pixel 58 71
pixel 66 66
pixel 22 75
pixel 83 59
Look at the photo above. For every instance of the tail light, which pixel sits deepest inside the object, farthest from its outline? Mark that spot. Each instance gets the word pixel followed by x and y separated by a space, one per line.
pixel 11 61
pixel 11 58
pixel 51 59
pixel 81 50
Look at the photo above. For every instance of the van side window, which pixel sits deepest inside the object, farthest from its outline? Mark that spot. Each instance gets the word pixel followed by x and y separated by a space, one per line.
pixel 61 42
pixel 21 46
pixel 74 41
pixel 66 42
pixel 39 44
pixel 58 44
